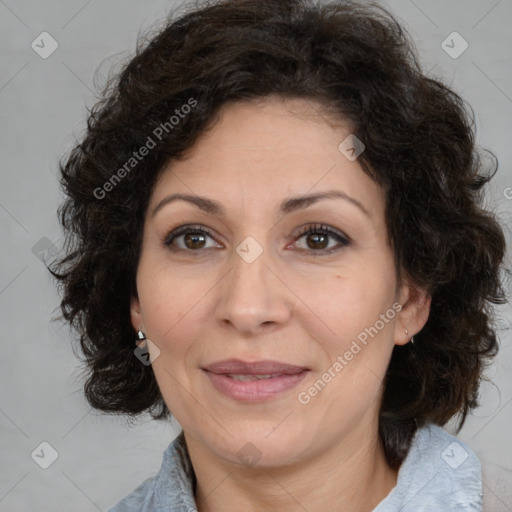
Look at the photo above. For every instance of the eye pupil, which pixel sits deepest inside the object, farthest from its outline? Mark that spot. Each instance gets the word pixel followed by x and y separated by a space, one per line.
pixel 193 237
pixel 316 237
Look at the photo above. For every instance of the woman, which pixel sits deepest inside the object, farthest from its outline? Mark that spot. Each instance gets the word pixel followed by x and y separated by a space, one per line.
pixel 276 235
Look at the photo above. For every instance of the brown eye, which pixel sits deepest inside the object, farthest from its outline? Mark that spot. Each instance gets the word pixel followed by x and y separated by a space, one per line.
pixel 317 239
pixel 192 238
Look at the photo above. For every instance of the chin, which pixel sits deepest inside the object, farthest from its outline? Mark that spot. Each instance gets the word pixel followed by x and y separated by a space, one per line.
pixel 259 449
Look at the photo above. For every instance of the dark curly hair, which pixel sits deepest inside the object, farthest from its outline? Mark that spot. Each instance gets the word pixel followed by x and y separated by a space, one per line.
pixel 357 61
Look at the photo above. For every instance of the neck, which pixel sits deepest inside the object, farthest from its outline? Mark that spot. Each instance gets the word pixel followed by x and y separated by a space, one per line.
pixel 351 475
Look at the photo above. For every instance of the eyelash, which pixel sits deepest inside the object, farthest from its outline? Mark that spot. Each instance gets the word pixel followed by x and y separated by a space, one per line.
pixel 307 230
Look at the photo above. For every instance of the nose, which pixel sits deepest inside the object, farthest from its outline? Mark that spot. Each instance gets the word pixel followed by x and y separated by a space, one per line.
pixel 254 297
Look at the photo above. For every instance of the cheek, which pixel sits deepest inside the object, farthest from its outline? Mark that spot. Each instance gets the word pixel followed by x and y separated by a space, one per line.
pixel 168 301
pixel 347 304
pixel 356 342
pixel 171 306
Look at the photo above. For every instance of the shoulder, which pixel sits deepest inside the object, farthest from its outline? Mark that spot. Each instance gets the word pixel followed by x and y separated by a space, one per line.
pixel 137 498
pixel 440 472
pixel 171 489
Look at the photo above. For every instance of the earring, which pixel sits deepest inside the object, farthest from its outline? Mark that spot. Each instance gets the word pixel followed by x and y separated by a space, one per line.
pixel 141 338
pixel 412 338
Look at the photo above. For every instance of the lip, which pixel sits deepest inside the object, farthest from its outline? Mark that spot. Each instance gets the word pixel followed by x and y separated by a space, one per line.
pixel 263 367
pixel 257 390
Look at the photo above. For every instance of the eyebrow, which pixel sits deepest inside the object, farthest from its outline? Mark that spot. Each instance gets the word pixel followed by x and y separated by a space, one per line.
pixel 287 206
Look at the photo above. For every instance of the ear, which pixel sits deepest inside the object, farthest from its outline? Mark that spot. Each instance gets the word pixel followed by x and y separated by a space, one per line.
pixel 414 314
pixel 136 314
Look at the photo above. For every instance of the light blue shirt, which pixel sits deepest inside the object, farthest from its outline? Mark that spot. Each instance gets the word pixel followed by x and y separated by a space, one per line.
pixel 440 473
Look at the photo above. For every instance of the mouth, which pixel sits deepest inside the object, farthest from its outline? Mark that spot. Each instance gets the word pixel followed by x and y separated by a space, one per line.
pixel 247 378
pixel 265 368
pixel 254 381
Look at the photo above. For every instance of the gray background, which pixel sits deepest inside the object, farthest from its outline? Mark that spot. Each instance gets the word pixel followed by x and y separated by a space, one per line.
pixel 42 107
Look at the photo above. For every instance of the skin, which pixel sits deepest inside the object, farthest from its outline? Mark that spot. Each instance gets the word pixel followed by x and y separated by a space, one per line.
pixel 203 302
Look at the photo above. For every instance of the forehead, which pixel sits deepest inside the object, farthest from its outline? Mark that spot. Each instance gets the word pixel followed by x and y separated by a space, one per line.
pixel 267 150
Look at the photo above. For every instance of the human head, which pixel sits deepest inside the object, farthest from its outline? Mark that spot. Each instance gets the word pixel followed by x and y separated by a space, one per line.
pixel 356 62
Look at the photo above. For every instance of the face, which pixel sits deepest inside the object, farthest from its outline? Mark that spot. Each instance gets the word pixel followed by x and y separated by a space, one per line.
pixel 308 283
